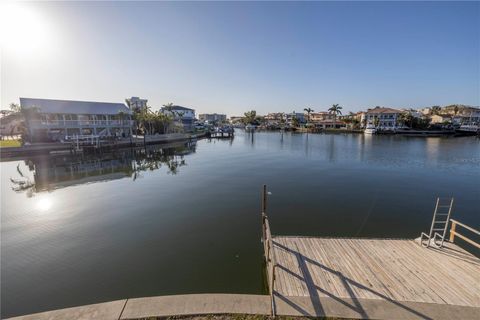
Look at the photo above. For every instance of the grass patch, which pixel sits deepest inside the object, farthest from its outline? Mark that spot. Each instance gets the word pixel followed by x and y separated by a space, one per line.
pixel 10 143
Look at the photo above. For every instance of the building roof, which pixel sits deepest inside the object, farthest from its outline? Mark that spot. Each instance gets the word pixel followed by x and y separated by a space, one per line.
pixel 74 107
pixel 383 110
pixel 180 108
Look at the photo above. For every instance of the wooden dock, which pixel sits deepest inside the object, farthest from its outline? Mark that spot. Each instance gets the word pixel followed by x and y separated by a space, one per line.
pixel 370 278
pixel 399 270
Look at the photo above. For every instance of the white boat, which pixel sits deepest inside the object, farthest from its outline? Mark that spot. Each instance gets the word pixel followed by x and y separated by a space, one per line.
pixel 250 127
pixel 370 129
pixel 468 129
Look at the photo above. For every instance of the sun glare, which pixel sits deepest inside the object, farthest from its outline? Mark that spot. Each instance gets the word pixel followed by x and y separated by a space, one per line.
pixel 23 30
pixel 44 204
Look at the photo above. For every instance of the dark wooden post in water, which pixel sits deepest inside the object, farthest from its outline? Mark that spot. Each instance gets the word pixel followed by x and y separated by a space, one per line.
pixel 264 199
pixel 268 250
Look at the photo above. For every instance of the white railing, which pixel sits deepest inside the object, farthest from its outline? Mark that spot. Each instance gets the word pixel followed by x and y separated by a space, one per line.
pixel 76 123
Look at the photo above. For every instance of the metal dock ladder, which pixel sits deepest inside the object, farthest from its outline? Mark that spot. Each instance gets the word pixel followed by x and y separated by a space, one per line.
pixel 438 229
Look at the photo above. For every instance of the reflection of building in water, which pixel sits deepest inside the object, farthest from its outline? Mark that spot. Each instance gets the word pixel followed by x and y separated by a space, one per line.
pixel 60 172
pixel 55 172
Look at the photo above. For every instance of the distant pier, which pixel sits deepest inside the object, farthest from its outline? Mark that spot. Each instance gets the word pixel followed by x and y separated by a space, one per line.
pixel 221 134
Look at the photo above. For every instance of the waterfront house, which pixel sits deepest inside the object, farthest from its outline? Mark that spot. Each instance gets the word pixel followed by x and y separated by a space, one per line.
pixel 382 118
pixel 440 118
pixel 331 124
pixel 60 120
pixel 181 115
pixel 299 115
pixel 274 118
pixel 326 120
pixel 317 117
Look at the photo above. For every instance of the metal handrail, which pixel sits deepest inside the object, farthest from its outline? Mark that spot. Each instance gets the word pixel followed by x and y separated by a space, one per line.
pixel 454 233
pixel 269 253
pixel 269 259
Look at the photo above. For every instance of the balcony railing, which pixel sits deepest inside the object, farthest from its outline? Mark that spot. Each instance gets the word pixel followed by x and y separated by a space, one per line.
pixel 80 123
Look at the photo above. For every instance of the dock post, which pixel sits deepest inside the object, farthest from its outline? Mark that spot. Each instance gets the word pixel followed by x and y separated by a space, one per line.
pixel 452 232
pixel 264 199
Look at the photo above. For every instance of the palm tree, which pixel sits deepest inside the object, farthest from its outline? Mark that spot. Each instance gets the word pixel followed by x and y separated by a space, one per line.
pixel 29 114
pixel 168 106
pixel 15 107
pixel 308 111
pixel 250 117
pixel 164 119
pixel 335 110
pixel 405 118
pixel 436 109
pixel 295 122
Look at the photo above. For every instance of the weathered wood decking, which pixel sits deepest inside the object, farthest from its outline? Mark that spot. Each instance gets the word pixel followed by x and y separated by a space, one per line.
pixel 380 269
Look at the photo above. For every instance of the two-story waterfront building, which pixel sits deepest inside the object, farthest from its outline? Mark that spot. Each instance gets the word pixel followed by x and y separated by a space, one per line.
pixel 60 120
pixel 300 116
pixel 383 118
pixel 183 115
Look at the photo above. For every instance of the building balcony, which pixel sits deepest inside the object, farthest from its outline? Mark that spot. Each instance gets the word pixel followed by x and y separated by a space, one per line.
pixel 79 123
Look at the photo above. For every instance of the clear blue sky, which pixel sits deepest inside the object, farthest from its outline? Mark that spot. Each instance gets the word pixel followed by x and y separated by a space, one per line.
pixel 233 57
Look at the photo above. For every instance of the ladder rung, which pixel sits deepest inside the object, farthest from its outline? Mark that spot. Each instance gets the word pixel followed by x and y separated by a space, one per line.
pixel 438 229
pixel 442 214
pixel 440 221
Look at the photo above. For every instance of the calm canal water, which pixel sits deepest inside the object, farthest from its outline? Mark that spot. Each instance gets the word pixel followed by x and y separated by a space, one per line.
pixel 185 219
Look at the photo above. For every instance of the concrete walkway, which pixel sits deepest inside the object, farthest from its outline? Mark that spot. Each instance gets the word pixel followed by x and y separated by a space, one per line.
pixel 196 304
pixel 161 306
pixel 203 304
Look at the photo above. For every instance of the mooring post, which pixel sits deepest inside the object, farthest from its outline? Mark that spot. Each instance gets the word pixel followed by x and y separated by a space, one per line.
pixel 264 199
pixel 452 231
